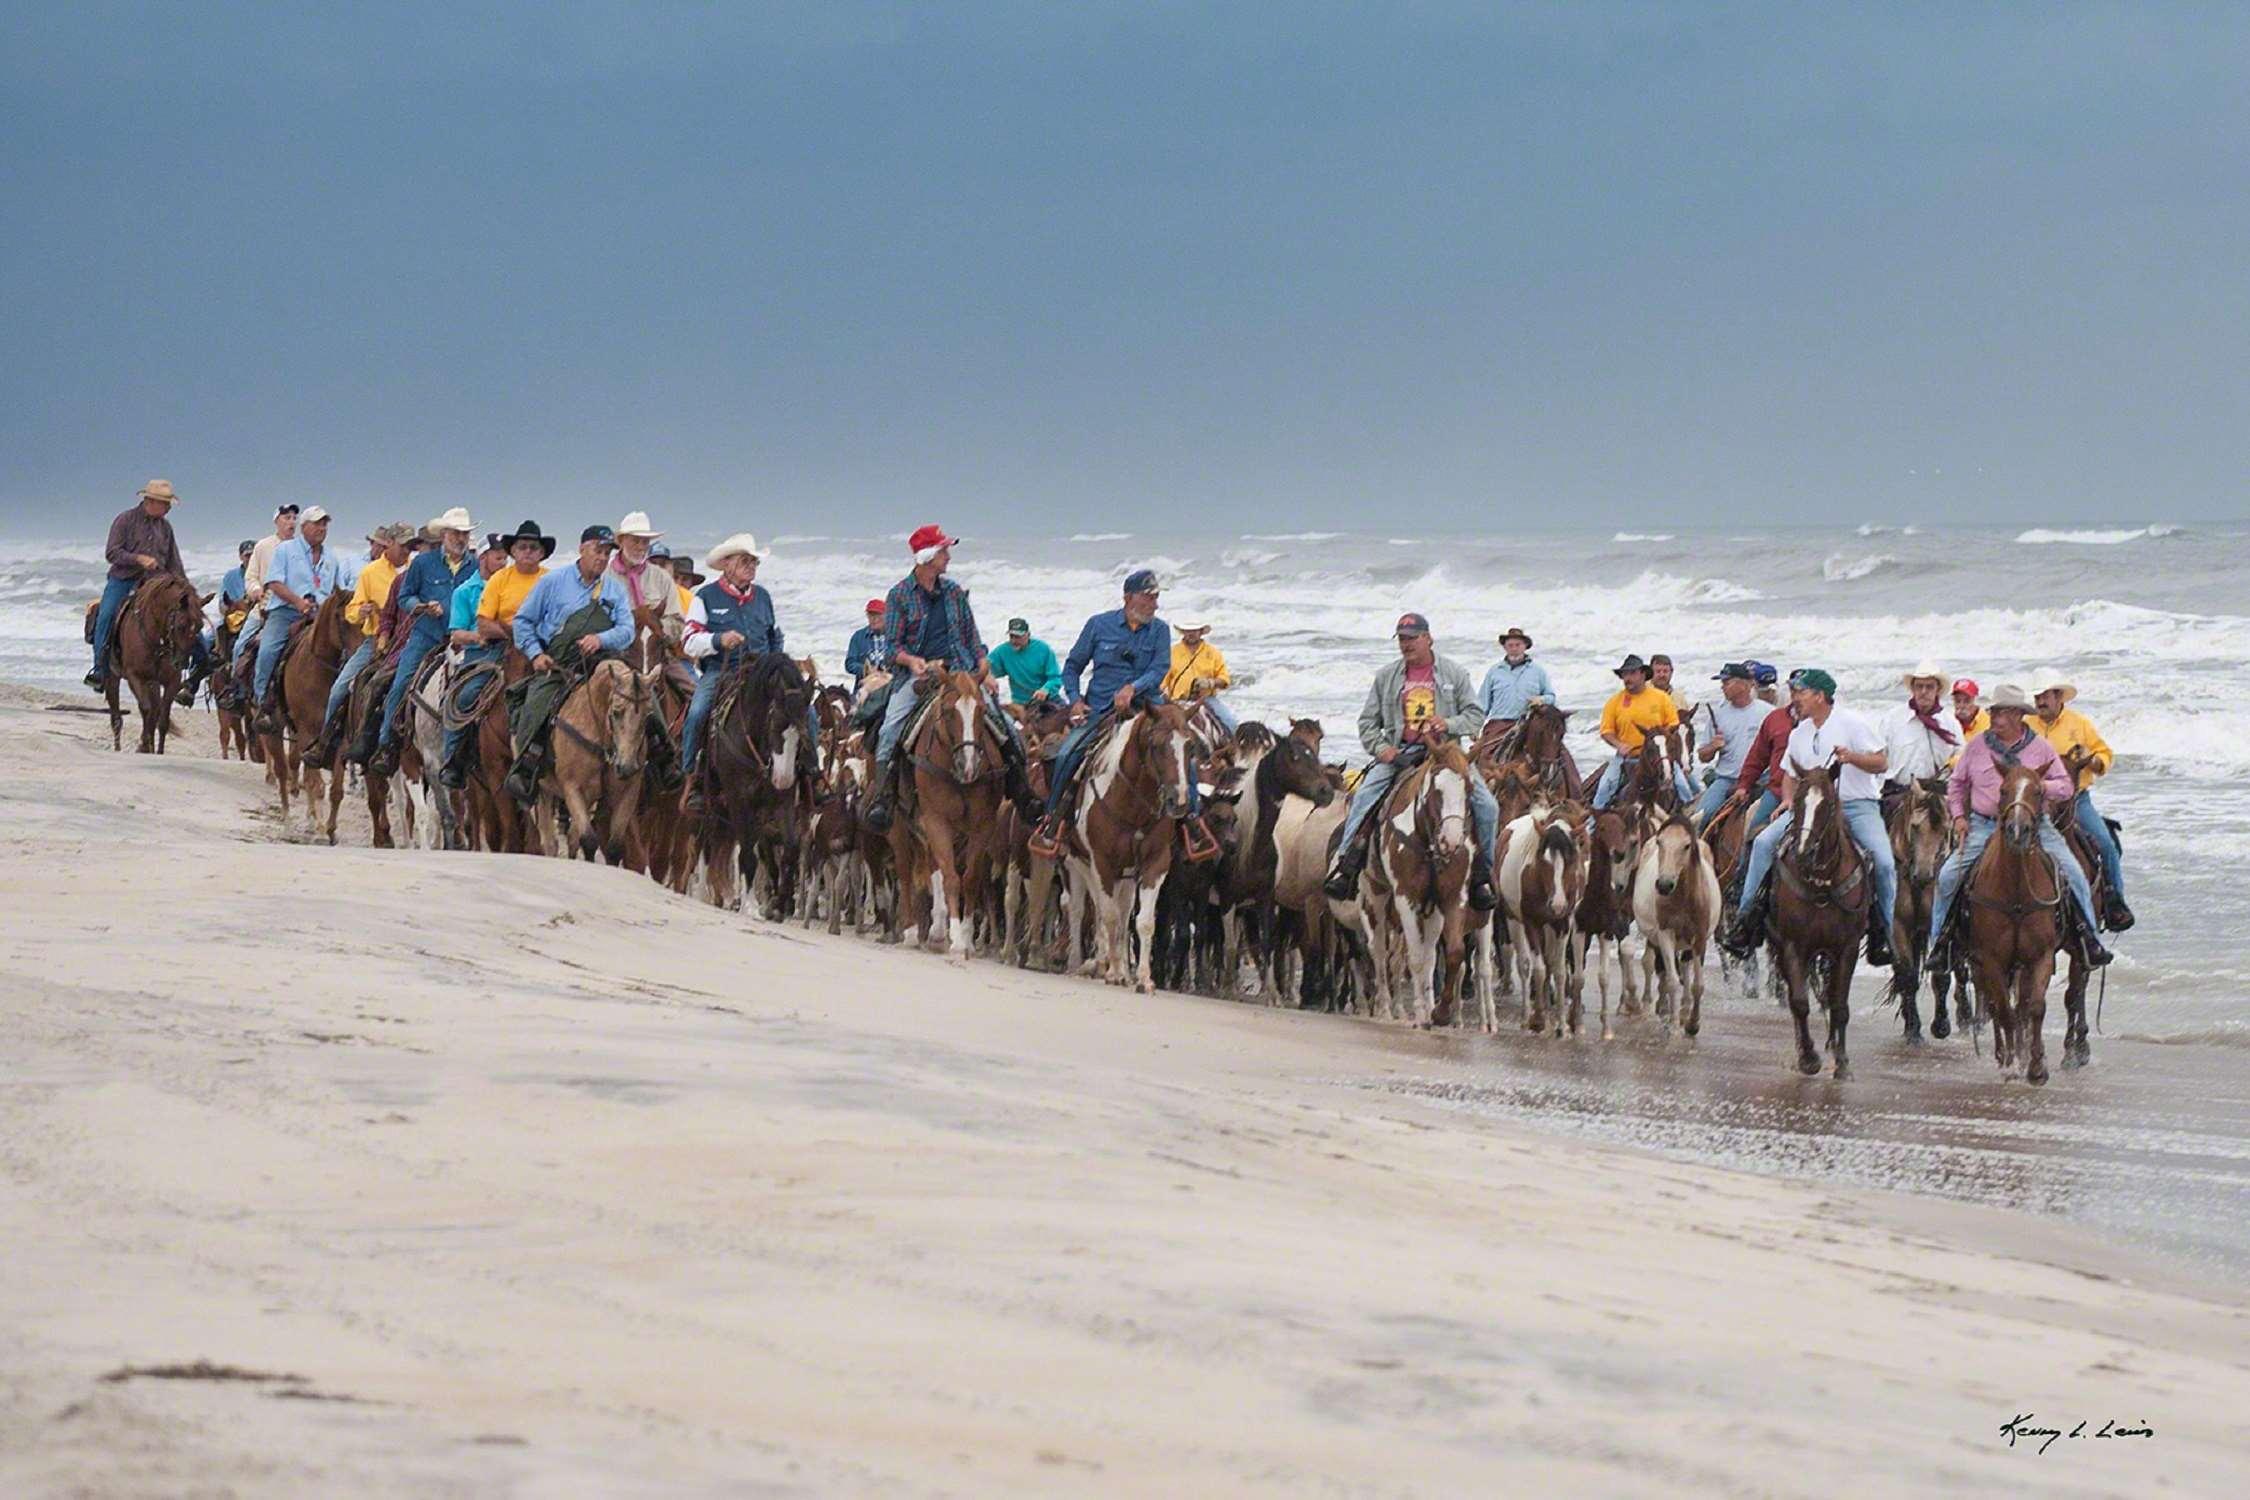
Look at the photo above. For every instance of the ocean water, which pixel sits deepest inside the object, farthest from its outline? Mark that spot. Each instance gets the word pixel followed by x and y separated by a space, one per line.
pixel 2151 621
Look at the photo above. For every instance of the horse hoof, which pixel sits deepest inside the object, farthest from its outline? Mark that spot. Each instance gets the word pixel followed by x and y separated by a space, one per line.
pixel 2036 1076
pixel 1692 1027
pixel 1914 1035
pixel 1843 1072
pixel 1808 1065
pixel 1940 1027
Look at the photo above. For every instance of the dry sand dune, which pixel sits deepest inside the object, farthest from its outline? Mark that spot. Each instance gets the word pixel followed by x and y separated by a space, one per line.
pixel 540 1181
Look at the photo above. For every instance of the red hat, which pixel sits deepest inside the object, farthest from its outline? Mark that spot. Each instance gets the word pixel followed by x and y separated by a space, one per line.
pixel 874 606
pixel 1966 685
pixel 926 538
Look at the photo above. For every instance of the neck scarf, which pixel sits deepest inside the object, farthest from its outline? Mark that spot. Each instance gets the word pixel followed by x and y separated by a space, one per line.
pixel 1933 723
pixel 2006 754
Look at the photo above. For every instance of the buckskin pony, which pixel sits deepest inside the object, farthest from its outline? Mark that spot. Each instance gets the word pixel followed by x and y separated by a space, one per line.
pixel 1419 867
pixel 2014 926
pixel 943 853
pixel 156 633
pixel 301 695
pixel 1820 896
pixel 593 781
pixel 1676 906
pixel 1132 797
pixel 1921 830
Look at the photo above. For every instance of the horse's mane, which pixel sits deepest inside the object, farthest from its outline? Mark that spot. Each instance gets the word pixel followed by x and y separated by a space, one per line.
pixel 770 673
pixel 1557 840
pixel 1255 735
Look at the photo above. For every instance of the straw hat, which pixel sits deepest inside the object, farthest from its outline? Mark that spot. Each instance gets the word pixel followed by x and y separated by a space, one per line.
pixel 1923 668
pixel 159 489
pixel 2008 695
pixel 2047 679
pixel 636 523
pixel 456 519
pixel 741 544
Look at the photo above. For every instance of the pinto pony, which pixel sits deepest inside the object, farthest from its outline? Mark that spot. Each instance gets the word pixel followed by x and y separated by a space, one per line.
pixel 1133 797
pixel 1420 868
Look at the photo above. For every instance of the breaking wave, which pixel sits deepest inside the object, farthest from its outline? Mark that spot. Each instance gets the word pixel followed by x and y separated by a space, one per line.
pixel 2041 536
pixel 1839 569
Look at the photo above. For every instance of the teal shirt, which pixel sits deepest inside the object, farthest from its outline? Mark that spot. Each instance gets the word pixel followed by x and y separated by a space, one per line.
pixel 1028 670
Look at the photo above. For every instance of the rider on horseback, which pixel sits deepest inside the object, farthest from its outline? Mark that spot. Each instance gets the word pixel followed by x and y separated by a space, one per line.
pixel 1128 649
pixel 304 573
pixel 2083 749
pixel 504 595
pixel 1825 735
pixel 140 547
pixel 425 594
pixel 1422 696
pixel 572 618
pixel 1029 664
pixel 1969 719
pixel 1734 729
pixel 1974 797
pixel 1919 739
pixel 928 630
pixel 864 651
pixel 729 619
pixel 1635 709
pixel 1514 684
pixel 1199 675
pixel 364 613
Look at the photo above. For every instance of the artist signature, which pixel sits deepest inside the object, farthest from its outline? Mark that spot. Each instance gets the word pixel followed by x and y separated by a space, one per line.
pixel 2019 1427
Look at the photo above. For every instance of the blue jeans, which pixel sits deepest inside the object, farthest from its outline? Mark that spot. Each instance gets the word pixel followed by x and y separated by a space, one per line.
pixel 1721 788
pixel 1613 779
pixel 1222 713
pixel 2105 843
pixel 1484 808
pixel 353 665
pixel 1761 813
pixel 901 707
pixel 271 639
pixel 1863 816
pixel 114 594
pixel 699 710
pixel 465 697
pixel 1955 872
pixel 409 658
pixel 249 636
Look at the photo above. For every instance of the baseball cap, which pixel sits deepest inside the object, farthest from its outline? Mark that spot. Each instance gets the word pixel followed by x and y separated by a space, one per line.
pixel 1412 623
pixel 284 510
pixel 659 552
pixel 1967 685
pixel 1019 626
pixel 1816 679
pixel 875 606
pixel 1735 671
pixel 311 514
pixel 245 549
pixel 1142 581
pixel 1762 673
pixel 597 534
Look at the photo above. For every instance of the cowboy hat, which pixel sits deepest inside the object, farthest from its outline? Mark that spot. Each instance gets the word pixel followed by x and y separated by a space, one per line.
pixel 2008 695
pixel 159 489
pixel 741 544
pixel 1516 633
pixel 456 519
pixel 1194 622
pixel 636 523
pixel 1631 663
pixel 2048 680
pixel 529 532
pixel 1923 668
pixel 396 532
pixel 684 569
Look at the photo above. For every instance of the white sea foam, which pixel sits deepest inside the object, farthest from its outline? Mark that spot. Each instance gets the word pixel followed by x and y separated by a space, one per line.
pixel 1291 536
pixel 1840 569
pixel 1643 536
pixel 1101 536
pixel 2095 537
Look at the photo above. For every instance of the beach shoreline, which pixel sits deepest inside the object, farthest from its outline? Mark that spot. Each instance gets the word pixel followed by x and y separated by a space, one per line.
pixel 548 1181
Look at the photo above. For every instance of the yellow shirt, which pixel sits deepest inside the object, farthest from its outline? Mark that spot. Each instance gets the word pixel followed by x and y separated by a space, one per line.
pixel 370 595
pixel 687 600
pixel 1189 663
pixel 504 593
pixel 2071 730
pixel 1979 725
pixel 1630 716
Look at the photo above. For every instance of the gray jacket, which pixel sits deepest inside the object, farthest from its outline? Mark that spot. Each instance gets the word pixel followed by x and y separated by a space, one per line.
pixel 1382 719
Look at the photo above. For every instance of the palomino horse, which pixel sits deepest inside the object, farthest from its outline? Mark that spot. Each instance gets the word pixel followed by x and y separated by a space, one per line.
pixel 301 690
pixel 156 632
pixel 1420 868
pixel 754 755
pixel 593 787
pixel 2014 925
pixel 1542 881
pixel 1676 906
pixel 1921 838
pixel 1133 797
pixel 1820 896
pixel 956 755
pixel 1605 914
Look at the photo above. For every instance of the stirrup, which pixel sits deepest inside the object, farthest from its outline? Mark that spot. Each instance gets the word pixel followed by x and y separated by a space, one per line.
pixel 1046 839
pixel 1201 846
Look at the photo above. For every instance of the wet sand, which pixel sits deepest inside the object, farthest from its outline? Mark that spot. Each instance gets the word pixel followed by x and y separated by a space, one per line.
pixel 546 1182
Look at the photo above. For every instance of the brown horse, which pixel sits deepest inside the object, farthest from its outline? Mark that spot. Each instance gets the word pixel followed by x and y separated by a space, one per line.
pixel 1419 867
pixel 592 789
pixel 492 819
pixel 300 692
pixel 1535 743
pixel 1820 895
pixel 234 731
pixel 156 633
pixel 1921 830
pixel 944 852
pixel 1676 906
pixel 2015 924
pixel 1131 799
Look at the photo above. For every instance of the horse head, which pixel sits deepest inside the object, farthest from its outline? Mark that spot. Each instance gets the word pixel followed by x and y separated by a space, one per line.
pixel 1162 744
pixel 1293 766
pixel 1675 849
pixel 2023 805
pixel 1818 817
pixel 1925 832
pixel 1611 855
pixel 962 737
pixel 620 702
pixel 1540 738
pixel 784 696
pixel 1565 870
pixel 1443 812
pixel 1661 755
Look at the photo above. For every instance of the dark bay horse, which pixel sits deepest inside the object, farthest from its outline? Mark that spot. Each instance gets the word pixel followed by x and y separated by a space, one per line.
pixel 2014 926
pixel 1820 895
pixel 156 632
pixel 1921 830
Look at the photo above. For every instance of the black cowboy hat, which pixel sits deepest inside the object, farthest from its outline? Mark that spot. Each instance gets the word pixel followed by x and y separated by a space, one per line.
pixel 1631 663
pixel 529 532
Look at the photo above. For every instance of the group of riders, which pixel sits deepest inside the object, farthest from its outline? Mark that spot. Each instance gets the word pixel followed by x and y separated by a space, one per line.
pixel 440 587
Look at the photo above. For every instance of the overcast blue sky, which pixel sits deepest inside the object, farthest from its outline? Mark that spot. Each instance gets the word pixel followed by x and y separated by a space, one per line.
pixel 1045 265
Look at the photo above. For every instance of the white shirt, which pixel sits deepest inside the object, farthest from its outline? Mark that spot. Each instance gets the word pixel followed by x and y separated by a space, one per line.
pixel 254 571
pixel 1811 746
pixel 1915 751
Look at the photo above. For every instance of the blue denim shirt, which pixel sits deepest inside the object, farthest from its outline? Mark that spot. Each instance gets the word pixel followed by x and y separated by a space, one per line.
pixel 430 580
pixel 233 586
pixel 1508 691
pixel 1118 654
pixel 865 650
pixel 563 593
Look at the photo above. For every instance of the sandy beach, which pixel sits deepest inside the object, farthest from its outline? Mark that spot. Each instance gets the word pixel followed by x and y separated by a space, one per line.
pixel 507 1176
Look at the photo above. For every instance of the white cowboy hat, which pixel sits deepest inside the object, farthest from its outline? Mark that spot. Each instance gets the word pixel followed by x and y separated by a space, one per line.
pixel 636 523
pixel 741 544
pixel 1926 667
pixel 1196 622
pixel 2047 679
pixel 159 489
pixel 456 519
pixel 2008 695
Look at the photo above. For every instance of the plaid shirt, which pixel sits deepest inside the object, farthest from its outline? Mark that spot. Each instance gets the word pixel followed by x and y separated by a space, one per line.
pixel 906 608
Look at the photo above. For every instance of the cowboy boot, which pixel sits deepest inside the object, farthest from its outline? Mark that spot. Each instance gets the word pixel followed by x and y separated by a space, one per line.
pixel 1482 897
pixel 1749 929
pixel 524 776
pixel 1879 943
pixel 1028 803
pixel 2119 916
pixel 1342 882
pixel 877 814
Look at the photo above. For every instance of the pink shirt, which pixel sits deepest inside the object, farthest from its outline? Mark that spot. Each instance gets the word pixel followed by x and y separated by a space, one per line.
pixel 1975 786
